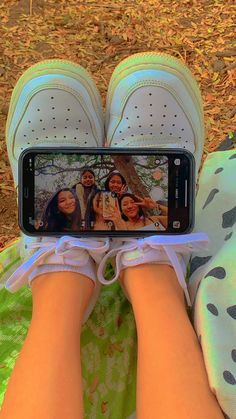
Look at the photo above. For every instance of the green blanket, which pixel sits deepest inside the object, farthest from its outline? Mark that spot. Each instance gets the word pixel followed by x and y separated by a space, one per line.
pixel 108 346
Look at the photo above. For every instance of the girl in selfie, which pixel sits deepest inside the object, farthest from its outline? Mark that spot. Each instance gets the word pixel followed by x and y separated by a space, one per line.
pixel 62 212
pixel 96 219
pixel 116 183
pixel 132 212
pixel 84 187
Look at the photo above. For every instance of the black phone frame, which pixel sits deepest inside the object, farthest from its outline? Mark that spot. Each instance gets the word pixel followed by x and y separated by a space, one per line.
pixel 26 181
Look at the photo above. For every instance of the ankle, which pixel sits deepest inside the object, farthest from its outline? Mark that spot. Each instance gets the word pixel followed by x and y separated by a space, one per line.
pixel 151 284
pixel 61 296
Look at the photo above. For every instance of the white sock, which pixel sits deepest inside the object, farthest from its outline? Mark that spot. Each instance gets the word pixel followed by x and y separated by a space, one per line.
pixel 88 270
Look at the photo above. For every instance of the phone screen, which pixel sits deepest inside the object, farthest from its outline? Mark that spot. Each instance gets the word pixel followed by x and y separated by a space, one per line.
pixel 106 191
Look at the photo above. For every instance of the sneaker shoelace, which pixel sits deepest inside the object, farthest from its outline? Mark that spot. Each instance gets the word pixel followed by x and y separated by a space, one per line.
pixel 171 245
pixel 63 251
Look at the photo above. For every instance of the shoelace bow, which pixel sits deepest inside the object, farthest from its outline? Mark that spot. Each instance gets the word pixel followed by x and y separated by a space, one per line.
pixel 184 244
pixel 63 246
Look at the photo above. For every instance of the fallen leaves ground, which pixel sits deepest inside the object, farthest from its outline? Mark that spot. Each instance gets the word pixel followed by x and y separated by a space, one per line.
pixel 98 35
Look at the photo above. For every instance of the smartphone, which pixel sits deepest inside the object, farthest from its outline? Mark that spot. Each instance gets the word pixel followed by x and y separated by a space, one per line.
pixel 123 192
pixel 109 203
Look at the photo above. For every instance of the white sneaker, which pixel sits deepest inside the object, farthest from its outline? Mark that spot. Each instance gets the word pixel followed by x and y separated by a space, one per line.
pixel 153 100
pixel 54 103
pixel 169 250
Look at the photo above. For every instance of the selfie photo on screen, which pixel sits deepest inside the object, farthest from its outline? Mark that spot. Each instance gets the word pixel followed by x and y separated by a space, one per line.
pixel 76 192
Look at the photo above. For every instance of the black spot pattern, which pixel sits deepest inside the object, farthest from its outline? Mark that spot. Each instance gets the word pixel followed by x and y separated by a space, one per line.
pixel 229 218
pixel 228 236
pixel 212 308
pixel 229 378
pixel 232 157
pixel 219 170
pixel 217 272
pixel 232 311
pixel 210 197
pixel 233 354
pixel 198 261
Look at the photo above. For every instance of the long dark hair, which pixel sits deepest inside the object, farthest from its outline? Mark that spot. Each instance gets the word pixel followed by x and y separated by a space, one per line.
pixel 90 215
pixel 110 176
pixel 140 210
pixel 54 220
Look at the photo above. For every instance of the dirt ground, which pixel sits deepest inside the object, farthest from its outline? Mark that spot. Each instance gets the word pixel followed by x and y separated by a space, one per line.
pixel 98 35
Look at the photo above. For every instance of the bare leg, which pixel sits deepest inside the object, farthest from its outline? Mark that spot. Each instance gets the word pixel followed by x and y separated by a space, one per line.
pixel 171 378
pixel 46 380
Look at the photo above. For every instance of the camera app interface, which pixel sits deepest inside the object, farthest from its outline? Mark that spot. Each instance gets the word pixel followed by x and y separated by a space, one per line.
pixel 92 192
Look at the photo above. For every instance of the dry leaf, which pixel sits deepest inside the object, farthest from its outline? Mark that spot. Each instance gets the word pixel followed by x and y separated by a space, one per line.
pixel 119 321
pixel 104 407
pixel 117 346
pixel 99 35
pixel 94 385
pixel 90 397
pixel 101 331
